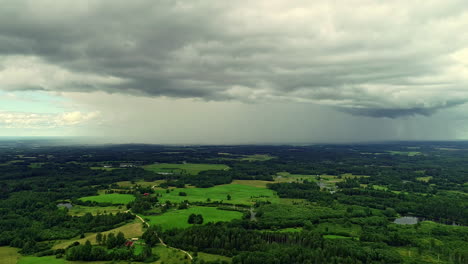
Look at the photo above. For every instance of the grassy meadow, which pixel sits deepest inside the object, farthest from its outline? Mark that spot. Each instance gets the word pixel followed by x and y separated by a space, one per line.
pixel 184 168
pixel 79 210
pixel 178 218
pixel 9 255
pixel 240 194
pixel 130 230
pixel 112 198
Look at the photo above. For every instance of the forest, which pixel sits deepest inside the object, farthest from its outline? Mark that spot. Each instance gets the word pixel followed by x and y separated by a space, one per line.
pixel 235 204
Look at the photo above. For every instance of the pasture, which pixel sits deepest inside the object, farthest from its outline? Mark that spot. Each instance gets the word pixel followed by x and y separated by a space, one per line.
pixel 112 198
pixel 240 194
pixel 170 255
pixel 178 218
pixel 79 210
pixel 130 230
pixel 9 255
pixel 184 168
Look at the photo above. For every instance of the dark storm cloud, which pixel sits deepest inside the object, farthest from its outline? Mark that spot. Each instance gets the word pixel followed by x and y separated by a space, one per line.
pixel 365 58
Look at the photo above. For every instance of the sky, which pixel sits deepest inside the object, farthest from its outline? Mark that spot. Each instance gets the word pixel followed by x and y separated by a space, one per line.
pixel 234 72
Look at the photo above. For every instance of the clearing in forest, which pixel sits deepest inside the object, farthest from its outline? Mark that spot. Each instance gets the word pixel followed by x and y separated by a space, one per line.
pixel 112 198
pixel 184 168
pixel 239 194
pixel 130 230
pixel 179 218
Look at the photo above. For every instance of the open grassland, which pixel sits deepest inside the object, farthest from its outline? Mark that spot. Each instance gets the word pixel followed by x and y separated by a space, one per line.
pixel 79 210
pixel 257 157
pixel 424 179
pixel 134 229
pixel 252 183
pixel 9 255
pixel 178 218
pixel 128 184
pixel 185 168
pixel 54 260
pixel 288 177
pixel 113 198
pixel 41 260
pixel 170 255
pixel 211 257
pixel 240 194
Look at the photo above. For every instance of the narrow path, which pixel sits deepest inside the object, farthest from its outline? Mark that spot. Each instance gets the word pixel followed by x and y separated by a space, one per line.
pixel 162 242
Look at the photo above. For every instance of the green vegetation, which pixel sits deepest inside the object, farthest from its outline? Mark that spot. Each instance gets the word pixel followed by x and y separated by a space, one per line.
pixel 257 157
pixel 322 203
pixel 240 194
pixel 405 153
pixel 178 218
pixel 41 260
pixel 80 210
pixel 112 198
pixel 9 255
pixel 170 255
pixel 184 168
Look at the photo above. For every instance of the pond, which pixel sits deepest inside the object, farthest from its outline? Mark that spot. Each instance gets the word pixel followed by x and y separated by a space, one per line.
pixel 406 220
pixel 67 205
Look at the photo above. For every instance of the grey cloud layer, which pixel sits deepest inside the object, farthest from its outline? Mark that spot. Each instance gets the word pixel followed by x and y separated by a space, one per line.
pixel 369 58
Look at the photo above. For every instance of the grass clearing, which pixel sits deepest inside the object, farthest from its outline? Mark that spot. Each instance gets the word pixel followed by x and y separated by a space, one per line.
pixel 130 230
pixel 184 168
pixel 240 194
pixel 9 255
pixel 113 198
pixel 41 260
pixel 257 157
pixel 336 237
pixel 128 184
pixel 170 255
pixel 424 179
pixel 79 210
pixel 212 257
pixel 178 218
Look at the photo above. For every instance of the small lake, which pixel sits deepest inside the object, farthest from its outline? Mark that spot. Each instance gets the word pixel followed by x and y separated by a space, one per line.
pixel 406 220
pixel 66 205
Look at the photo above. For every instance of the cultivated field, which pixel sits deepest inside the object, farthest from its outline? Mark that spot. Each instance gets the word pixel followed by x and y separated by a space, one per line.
pixel 240 194
pixel 185 168
pixel 130 230
pixel 178 218
pixel 113 198
pixel 79 210
pixel 9 255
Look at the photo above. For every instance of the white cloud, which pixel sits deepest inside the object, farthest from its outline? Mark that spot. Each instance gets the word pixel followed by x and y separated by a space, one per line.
pixel 45 121
pixel 387 58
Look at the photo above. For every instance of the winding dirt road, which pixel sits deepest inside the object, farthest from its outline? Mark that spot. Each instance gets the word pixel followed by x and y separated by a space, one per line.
pixel 162 242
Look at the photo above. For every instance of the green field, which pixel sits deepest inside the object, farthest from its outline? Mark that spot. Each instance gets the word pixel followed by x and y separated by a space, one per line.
pixel 257 157
pixel 424 179
pixel 9 255
pixel 185 168
pixel 41 260
pixel 113 198
pixel 79 210
pixel 178 218
pixel 240 194
pixel 169 255
pixel 336 237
